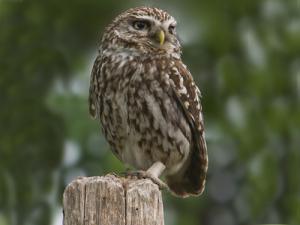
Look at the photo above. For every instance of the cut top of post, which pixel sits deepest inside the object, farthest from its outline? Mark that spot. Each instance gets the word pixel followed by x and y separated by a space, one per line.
pixel 112 200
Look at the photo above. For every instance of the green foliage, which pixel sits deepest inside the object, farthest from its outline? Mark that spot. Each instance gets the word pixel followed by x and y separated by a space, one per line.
pixel 243 54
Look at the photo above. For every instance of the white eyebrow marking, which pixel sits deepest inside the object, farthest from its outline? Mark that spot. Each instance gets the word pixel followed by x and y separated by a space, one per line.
pixel 165 24
pixel 170 21
pixel 147 18
pixel 151 18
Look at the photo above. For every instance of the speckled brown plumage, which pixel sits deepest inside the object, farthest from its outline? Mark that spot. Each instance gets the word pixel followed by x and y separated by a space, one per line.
pixel 147 101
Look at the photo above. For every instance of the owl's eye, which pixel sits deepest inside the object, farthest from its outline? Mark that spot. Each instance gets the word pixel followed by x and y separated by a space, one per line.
pixel 171 29
pixel 141 25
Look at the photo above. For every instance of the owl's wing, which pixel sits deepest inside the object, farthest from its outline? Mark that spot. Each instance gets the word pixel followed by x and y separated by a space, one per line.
pixel 94 86
pixel 187 95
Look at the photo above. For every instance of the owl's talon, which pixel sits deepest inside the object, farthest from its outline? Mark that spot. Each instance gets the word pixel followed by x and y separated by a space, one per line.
pixel 132 174
pixel 141 174
pixel 114 174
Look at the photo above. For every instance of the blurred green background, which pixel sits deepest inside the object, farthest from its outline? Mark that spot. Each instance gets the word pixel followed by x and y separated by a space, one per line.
pixel 244 55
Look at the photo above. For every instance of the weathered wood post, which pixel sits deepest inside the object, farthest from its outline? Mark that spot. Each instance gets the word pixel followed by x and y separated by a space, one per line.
pixel 112 200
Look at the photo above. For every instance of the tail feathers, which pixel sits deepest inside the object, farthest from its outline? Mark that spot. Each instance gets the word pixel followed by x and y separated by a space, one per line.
pixel 191 182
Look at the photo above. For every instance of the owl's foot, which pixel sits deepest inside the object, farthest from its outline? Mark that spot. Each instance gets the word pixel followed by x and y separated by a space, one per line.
pixel 141 174
pixel 115 174
pixel 152 173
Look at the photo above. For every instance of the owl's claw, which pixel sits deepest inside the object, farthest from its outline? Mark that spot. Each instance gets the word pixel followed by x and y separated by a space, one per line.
pixel 141 174
pixel 114 174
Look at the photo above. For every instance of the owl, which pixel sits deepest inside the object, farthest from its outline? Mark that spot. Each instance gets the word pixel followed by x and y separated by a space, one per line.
pixel 147 101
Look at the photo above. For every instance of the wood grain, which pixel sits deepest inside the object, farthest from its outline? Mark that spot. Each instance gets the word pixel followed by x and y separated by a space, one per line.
pixel 112 200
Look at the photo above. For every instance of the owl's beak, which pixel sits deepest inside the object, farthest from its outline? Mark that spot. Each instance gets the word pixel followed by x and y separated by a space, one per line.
pixel 160 37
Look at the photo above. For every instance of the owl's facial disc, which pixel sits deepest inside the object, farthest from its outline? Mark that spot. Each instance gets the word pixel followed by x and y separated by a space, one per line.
pixel 147 30
pixel 157 32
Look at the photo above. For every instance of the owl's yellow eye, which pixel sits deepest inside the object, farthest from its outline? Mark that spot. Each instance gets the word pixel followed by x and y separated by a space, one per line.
pixel 141 25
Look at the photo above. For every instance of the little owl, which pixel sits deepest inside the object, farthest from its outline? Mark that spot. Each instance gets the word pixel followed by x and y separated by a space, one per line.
pixel 147 101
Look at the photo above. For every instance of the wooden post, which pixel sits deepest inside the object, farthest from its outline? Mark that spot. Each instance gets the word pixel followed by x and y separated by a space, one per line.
pixel 112 200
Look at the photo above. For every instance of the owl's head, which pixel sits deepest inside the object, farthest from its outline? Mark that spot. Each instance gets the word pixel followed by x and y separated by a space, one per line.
pixel 144 30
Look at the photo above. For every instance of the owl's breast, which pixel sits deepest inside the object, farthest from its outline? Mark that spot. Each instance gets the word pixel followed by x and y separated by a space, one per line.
pixel 140 118
pixel 158 130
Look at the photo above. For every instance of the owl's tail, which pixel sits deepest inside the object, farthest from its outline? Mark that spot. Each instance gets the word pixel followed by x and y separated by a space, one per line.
pixel 191 180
